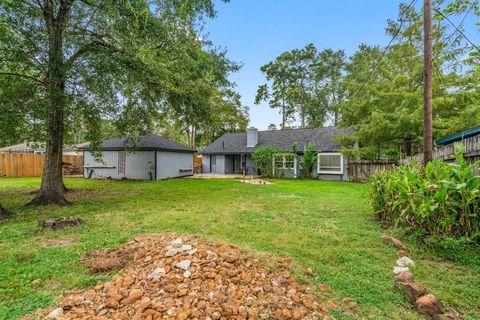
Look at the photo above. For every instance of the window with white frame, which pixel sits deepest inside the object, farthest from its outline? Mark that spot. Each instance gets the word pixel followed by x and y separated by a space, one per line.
pixel 286 161
pixel 330 163
pixel 242 161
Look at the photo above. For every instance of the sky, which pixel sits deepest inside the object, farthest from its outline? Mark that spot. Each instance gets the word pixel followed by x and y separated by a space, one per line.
pixel 255 32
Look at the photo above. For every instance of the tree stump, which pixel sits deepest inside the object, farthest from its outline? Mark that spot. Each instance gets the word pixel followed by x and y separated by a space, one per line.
pixel 60 223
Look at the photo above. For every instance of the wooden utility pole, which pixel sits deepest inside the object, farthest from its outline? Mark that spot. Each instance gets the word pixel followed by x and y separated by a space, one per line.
pixel 427 78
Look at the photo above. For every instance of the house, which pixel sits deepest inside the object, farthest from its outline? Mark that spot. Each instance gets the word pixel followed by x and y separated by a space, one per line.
pixel 150 157
pixel 231 153
pixel 39 148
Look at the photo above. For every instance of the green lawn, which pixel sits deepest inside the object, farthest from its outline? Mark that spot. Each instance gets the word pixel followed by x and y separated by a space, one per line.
pixel 322 225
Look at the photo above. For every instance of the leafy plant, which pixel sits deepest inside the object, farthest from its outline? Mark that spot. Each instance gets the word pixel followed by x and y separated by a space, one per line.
pixel 308 161
pixel 263 159
pixel 439 201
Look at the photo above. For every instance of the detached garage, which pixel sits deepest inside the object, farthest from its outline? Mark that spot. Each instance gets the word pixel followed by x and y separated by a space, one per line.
pixel 151 157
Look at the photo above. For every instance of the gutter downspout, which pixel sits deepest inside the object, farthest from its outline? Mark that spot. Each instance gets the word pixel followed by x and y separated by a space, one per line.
pixel 156 164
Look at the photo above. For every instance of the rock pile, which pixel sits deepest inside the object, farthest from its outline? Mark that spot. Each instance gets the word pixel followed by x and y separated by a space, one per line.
pixel 190 278
pixel 427 304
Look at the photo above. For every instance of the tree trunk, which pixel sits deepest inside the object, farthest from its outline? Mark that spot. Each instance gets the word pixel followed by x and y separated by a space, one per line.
pixel 408 146
pixel 427 91
pixel 4 214
pixel 52 189
pixel 302 113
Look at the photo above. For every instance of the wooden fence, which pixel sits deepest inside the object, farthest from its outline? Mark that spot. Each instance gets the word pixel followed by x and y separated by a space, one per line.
pixel 31 165
pixel 361 170
pixel 471 145
pixel 197 164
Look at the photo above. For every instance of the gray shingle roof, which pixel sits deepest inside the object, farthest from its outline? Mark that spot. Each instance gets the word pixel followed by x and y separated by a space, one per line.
pixel 143 143
pixel 323 139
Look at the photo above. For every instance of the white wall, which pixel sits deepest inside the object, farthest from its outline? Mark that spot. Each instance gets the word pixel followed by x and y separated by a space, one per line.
pixel 111 160
pixel 205 163
pixel 170 163
pixel 220 164
pixel 137 165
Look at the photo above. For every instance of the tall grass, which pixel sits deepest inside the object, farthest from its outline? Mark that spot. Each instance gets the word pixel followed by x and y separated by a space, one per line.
pixel 441 200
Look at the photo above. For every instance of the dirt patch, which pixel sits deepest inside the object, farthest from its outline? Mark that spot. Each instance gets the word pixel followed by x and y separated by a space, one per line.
pixel 189 278
pixel 76 194
pixel 106 260
pixel 256 181
pixel 57 242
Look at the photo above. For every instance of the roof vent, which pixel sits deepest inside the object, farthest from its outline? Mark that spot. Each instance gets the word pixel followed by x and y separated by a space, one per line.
pixel 252 137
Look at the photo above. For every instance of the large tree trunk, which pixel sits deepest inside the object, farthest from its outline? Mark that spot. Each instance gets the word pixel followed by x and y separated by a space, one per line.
pixel 52 189
pixel 4 214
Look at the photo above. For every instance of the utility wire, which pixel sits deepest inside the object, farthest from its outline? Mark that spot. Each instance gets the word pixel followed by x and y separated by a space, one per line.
pixel 458 30
pixel 375 65
pixel 452 34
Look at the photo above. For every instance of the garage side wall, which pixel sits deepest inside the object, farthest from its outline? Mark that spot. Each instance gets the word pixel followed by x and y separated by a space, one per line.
pixel 137 165
pixel 110 159
pixel 174 164
pixel 205 163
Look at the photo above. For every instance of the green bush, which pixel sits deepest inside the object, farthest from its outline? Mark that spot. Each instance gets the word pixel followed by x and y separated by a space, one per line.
pixel 262 158
pixel 309 160
pixel 441 200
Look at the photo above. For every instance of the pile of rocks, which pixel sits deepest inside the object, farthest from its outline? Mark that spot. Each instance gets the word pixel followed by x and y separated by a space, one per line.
pixel 190 278
pixel 416 293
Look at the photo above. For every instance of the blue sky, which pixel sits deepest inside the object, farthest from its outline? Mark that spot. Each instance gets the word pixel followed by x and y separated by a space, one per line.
pixel 256 31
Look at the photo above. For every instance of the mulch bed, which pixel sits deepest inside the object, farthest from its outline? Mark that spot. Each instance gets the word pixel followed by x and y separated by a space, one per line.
pixel 188 278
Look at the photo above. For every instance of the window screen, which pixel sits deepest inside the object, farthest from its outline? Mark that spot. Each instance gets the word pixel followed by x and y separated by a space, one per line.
pixel 330 163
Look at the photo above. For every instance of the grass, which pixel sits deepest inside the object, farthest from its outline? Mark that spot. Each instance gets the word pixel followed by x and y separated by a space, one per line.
pixel 322 225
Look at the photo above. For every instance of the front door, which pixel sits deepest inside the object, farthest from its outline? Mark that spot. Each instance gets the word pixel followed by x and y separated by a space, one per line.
pixel 213 164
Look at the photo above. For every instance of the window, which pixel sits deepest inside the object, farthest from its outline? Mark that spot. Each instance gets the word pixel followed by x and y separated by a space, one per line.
pixel 242 161
pixel 121 162
pixel 330 163
pixel 284 161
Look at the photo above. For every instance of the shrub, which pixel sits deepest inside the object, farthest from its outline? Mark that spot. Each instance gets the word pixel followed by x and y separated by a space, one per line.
pixel 262 157
pixel 308 161
pixel 441 200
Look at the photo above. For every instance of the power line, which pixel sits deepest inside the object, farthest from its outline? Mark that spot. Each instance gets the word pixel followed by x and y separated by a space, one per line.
pixel 375 65
pixel 452 34
pixel 457 29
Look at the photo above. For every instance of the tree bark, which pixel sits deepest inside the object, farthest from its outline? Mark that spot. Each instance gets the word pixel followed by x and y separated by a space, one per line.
pixel 52 189
pixel 408 146
pixel 427 92
pixel 4 214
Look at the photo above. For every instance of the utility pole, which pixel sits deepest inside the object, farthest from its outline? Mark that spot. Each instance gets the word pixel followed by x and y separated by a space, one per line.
pixel 427 78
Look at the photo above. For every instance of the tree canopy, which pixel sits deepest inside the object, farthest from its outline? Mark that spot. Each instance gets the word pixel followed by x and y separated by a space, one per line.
pixel 377 92
pixel 70 63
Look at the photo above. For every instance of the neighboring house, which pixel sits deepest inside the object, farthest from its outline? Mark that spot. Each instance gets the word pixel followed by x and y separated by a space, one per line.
pixel 231 153
pixel 39 148
pixel 150 157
